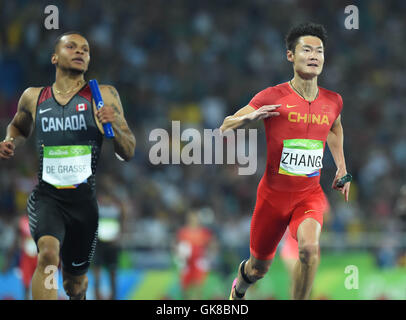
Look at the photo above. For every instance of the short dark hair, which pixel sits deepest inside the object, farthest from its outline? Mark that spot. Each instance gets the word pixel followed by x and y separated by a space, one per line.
pixel 305 29
pixel 65 34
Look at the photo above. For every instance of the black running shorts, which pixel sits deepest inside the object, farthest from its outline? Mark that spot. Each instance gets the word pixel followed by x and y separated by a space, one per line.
pixel 71 216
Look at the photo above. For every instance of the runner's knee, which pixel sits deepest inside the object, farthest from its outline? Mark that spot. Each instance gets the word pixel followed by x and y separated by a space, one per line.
pixel 309 253
pixel 48 253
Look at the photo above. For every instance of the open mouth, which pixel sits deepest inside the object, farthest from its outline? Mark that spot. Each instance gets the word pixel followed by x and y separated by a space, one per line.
pixel 312 65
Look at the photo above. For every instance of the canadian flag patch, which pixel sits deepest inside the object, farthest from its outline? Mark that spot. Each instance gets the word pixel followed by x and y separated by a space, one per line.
pixel 81 107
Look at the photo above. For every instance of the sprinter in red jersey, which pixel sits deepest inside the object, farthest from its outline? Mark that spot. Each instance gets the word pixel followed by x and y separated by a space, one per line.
pixel 194 243
pixel 299 118
pixel 25 247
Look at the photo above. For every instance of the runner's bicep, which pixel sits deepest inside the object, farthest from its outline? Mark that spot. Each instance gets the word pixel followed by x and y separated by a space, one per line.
pixel 336 123
pixel 23 119
pixel 112 98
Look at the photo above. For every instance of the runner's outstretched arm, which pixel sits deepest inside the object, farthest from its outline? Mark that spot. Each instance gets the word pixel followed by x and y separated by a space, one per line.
pixel 248 114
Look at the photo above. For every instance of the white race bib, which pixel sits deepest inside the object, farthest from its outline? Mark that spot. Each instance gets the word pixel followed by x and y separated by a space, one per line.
pixel 301 157
pixel 66 166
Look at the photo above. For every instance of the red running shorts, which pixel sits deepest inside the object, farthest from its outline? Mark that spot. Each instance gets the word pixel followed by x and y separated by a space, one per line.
pixel 275 211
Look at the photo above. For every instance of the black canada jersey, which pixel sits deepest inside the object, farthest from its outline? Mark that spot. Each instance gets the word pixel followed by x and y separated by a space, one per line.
pixel 70 125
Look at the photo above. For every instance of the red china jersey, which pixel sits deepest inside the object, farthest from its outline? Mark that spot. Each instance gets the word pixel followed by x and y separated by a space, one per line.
pixel 302 126
pixel 197 240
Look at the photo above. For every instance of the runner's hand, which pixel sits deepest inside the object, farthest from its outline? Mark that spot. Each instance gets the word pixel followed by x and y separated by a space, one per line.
pixel 6 149
pixel 106 114
pixel 264 112
pixel 345 190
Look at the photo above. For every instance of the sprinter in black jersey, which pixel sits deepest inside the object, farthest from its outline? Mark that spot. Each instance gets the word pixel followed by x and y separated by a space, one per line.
pixel 62 209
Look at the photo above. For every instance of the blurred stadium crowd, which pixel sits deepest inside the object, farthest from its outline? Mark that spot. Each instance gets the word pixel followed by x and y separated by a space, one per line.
pixel 197 62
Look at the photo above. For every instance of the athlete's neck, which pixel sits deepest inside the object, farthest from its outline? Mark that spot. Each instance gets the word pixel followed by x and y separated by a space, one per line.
pixel 307 88
pixel 66 81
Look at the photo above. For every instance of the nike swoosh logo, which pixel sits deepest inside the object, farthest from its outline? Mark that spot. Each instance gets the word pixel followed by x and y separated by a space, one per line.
pixel 288 106
pixel 44 110
pixel 309 210
pixel 78 264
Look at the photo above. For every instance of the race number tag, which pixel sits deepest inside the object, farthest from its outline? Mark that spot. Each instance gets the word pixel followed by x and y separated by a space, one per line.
pixel 66 166
pixel 301 157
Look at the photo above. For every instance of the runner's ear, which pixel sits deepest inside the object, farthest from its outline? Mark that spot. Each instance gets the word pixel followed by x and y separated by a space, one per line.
pixel 289 55
pixel 54 59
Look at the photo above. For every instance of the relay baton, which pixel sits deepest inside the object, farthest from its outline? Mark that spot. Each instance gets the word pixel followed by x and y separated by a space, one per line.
pixel 94 87
pixel 342 181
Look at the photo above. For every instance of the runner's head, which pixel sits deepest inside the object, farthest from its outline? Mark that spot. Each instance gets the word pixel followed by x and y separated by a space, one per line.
pixel 305 48
pixel 193 219
pixel 71 52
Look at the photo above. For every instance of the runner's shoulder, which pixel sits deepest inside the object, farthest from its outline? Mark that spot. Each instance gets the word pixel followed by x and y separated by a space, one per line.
pixel 108 88
pixel 109 93
pixel 32 92
pixel 269 95
pixel 279 90
pixel 30 97
pixel 331 95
